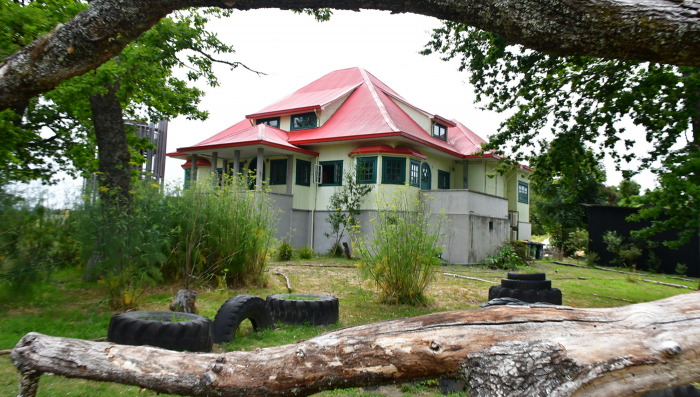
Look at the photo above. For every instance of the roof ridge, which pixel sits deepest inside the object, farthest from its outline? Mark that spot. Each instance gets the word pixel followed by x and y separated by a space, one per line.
pixel 466 135
pixel 229 135
pixel 378 102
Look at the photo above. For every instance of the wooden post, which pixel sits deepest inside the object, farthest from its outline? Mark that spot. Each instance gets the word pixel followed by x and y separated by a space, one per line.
pixel 261 166
pixel 290 172
pixel 193 168
pixel 214 163
pixel 236 162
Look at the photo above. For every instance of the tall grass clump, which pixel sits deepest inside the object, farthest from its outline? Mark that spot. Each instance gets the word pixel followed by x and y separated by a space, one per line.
pixel 221 233
pixel 402 253
pixel 124 244
pixel 34 241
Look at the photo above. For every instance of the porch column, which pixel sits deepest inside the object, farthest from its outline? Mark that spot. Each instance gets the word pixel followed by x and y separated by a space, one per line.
pixel 259 177
pixel 214 161
pixel 290 172
pixel 236 162
pixel 224 172
pixel 193 168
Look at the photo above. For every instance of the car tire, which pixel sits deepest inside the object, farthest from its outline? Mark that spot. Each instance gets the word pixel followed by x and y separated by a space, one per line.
pixel 322 310
pixel 237 309
pixel 168 330
pixel 552 296
pixel 536 285
pixel 527 276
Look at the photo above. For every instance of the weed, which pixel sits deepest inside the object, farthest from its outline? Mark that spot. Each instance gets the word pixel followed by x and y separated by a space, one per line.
pixel 681 269
pixel 285 251
pixel 306 252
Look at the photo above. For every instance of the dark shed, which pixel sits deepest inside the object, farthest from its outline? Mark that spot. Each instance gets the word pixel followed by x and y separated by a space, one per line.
pixel 602 218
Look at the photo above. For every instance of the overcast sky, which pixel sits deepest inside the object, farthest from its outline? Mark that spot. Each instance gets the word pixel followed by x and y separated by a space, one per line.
pixel 294 50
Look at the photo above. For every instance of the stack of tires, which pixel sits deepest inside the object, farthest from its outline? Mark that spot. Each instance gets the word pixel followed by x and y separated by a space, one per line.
pixel 531 288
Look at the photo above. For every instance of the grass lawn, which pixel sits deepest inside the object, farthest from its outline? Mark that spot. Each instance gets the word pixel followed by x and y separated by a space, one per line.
pixel 66 307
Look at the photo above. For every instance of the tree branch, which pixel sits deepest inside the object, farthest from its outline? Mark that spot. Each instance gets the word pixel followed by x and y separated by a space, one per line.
pixel 233 65
pixel 501 351
pixel 666 31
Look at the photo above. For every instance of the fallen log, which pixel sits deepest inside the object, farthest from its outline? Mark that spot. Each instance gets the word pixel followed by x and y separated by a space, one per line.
pixel 667 284
pixel 289 285
pixel 470 278
pixel 499 351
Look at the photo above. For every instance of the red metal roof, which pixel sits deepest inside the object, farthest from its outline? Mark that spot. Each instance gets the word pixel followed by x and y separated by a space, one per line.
pixel 200 163
pixel 315 95
pixel 403 150
pixel 463 139
pixel 368 112
pixel 261 134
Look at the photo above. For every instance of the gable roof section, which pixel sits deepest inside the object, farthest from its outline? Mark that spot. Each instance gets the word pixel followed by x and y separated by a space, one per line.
pixel 463 139
pixel 261 134
pixel 315 95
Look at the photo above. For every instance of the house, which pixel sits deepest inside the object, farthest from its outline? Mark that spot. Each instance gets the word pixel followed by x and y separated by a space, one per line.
pixel 347 116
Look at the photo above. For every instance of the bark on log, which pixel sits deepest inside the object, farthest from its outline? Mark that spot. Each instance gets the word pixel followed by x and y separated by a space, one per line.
pixel 665 31
pixel 500 351
pixel 289 285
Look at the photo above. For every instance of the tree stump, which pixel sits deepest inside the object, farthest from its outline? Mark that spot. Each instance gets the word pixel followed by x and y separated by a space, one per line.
pixel 185 301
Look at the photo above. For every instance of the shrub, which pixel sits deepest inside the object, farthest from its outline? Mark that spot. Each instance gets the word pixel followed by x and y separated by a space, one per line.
pixel 577 241
pixel 505 259
pixel 681 269
pixel 34 241
pixel 305 252
pixel 402 253
pixel 624 254
pixel 221 231
pixel 285 251
pixel 592 258
pixel 344 206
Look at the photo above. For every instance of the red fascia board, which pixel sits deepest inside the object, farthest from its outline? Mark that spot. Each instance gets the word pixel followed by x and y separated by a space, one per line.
pixel 176 154
pixel 283 112
pixel 443 120
pixel 259 142
pixel 384 135
pixel 489 155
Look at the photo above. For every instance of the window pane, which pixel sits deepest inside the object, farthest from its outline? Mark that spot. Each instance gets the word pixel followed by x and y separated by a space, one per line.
pixel 415 173
pixel 393 171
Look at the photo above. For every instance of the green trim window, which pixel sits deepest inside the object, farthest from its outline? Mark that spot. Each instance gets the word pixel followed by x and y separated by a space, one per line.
pixel 278 172
pixel 414 174
pixel 331 173
pixel 367 170
pixel 188 172
pixel 303 173
pixel 440 131
pixel 272 122
pixel 303 121
pixel 393 170
pixel 523 192
pixel 443 180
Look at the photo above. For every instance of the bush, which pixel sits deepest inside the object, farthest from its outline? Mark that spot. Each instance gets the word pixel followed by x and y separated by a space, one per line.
pixel 285 251
pixel 681 269
pixel 624 254
pixel 592 258
pixel 403 252
pixel 306 252
pixel 577 241
pixel 34 241
pixel 505 259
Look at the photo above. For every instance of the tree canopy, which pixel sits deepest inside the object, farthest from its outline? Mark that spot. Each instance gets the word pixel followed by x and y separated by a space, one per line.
pixel 582 101
pixel 56 131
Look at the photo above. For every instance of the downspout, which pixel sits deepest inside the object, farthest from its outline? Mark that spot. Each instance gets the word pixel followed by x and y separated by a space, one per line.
pixel 313 212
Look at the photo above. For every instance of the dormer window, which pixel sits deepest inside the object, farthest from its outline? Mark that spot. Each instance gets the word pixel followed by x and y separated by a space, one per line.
pixel 272 122
pixel 303 121
pixel 440 131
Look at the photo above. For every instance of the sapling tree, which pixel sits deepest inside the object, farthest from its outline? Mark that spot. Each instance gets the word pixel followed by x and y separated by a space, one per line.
pixel 345 205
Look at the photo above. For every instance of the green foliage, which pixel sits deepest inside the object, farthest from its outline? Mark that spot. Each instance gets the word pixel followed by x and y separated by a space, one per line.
pixel 144 71
pixel 402 253
pixel 584 101
pixel 285 251
pixel 592 259
pixel 220 233
pixel 505 259
pixel 34 241
pixel 306 252
pixel 344 206
pixel 624 254
pixel 681 269
pixel 578 240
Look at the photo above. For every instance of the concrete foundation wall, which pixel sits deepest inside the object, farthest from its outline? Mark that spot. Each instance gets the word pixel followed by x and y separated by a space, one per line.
pixel 524 231
pixel 301 232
